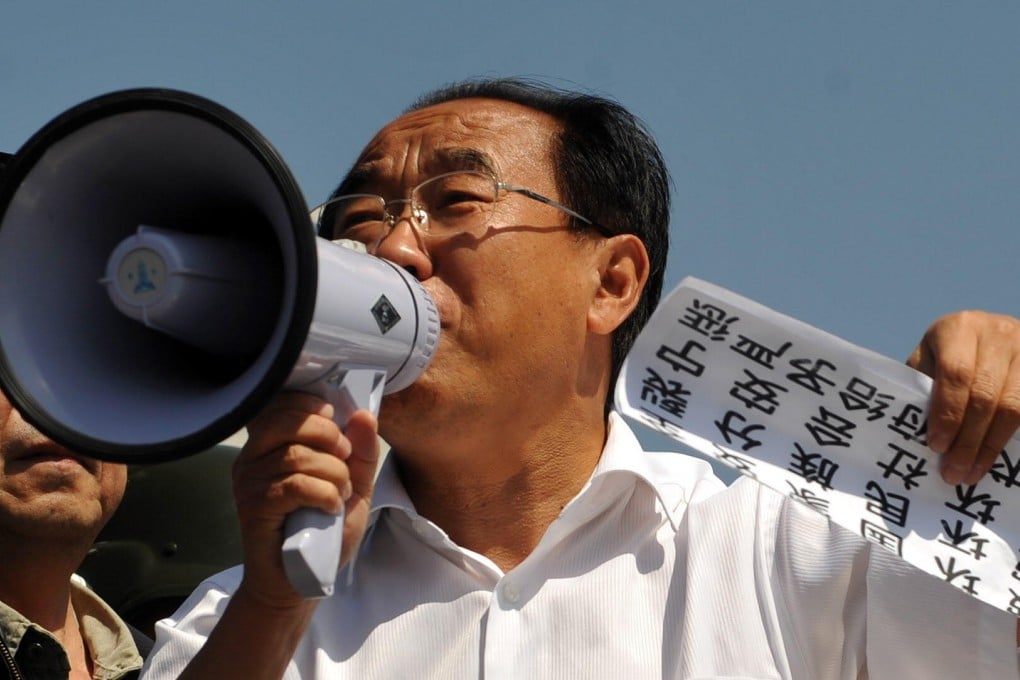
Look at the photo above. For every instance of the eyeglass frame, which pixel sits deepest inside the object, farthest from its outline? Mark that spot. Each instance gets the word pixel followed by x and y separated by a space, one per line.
pixel 391 219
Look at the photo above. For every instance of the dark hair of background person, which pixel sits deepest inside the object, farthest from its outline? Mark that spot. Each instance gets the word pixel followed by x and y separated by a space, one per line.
pixel 608 168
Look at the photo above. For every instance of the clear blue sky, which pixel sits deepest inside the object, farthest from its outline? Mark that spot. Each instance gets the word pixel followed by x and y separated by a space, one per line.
pixel 855 165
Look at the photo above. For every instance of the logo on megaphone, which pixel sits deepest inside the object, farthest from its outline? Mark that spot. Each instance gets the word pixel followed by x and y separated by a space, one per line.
pixel 160 280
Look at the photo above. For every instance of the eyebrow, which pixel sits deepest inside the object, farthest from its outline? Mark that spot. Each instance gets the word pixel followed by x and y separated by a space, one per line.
pixel 466 158
pixel 445 160
pixel 355 178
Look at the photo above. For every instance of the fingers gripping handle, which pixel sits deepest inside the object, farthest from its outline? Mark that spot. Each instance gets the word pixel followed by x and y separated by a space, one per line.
pixel 313 538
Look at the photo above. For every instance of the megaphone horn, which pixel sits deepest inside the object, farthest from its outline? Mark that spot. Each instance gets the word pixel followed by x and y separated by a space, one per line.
pixel 160 280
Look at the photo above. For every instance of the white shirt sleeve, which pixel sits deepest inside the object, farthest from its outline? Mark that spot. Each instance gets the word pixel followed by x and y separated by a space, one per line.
pixel 905 623
pixel 181 636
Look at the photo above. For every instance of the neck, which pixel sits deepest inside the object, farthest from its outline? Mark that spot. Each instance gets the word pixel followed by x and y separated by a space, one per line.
pixel 35 580
pixel 499 497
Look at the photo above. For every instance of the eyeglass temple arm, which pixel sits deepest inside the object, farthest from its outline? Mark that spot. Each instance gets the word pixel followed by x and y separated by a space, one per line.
pixel 556 204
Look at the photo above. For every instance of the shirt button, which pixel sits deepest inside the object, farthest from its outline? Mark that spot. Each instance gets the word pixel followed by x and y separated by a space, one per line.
pixel 511 593
pixel 420 526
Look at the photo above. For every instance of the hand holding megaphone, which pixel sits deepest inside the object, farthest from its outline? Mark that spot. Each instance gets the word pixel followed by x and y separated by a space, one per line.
pixel 174 282
pixel 160 280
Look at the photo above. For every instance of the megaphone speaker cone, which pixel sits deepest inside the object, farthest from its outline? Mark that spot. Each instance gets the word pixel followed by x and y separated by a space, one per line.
pixel 70 360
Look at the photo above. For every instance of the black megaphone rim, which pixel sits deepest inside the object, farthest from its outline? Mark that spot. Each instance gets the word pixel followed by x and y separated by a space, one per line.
pixel 301 308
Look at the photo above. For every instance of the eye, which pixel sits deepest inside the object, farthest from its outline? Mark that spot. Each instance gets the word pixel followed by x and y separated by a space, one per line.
pixel 452 197
pixel 355 218
pixel 457 192
pixel 347 216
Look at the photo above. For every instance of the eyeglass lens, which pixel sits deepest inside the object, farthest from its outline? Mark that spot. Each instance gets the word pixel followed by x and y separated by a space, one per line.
pixel 446 204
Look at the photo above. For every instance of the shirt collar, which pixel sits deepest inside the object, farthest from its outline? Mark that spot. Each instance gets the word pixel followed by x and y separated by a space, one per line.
pixel 389 491
pixel 624 461
pixel 108 638
pixel 12 626
pixel 622 458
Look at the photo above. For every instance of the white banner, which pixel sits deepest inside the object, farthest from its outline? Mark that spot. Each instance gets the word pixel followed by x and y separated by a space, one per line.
pixel 835 426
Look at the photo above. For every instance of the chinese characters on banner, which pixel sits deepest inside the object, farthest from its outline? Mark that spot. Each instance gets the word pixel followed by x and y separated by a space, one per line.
pixel 836 427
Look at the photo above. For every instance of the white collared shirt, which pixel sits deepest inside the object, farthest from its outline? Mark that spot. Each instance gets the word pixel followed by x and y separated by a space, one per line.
pixel 654 570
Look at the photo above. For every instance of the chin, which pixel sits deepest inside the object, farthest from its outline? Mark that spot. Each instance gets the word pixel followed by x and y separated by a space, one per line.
pixel 419 412
pixel 72 520
pixel 412 404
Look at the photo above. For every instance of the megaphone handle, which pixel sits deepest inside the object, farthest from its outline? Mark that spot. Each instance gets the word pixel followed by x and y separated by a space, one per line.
pixel 312 538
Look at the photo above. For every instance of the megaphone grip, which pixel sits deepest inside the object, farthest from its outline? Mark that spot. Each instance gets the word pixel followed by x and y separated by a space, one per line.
pixel 312 538
pixel 311 550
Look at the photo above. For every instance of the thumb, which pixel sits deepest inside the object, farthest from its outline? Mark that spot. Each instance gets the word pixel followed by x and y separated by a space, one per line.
pixel 362 465
pixel 363 462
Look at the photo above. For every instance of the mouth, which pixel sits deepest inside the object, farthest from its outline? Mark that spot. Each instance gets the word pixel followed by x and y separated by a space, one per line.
pixel 444 305
pixel 43 454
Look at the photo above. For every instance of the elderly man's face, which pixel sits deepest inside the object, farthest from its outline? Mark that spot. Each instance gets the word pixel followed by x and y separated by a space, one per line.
pixel 47 491
pixel 512 296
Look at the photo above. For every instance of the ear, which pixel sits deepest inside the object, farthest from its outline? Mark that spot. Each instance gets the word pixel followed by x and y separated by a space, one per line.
pixel 623 272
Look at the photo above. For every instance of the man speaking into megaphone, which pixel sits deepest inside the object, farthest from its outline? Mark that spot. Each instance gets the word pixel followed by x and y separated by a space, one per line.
pixel 517 529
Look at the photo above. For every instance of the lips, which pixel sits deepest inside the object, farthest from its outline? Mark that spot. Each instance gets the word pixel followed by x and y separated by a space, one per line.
pixel 444 304
pixel 52 453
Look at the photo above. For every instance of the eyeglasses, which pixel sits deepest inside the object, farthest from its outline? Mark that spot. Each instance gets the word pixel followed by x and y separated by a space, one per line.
pixel 441 206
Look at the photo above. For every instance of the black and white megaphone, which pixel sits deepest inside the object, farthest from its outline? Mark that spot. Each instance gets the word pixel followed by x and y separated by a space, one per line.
pixel 160 280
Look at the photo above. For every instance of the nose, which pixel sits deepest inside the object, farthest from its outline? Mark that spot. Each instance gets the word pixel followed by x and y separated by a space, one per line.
pixel 404 246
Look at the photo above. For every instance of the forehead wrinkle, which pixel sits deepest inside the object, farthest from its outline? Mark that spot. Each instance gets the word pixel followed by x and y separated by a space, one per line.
pixel 445 137
pixel 432 163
